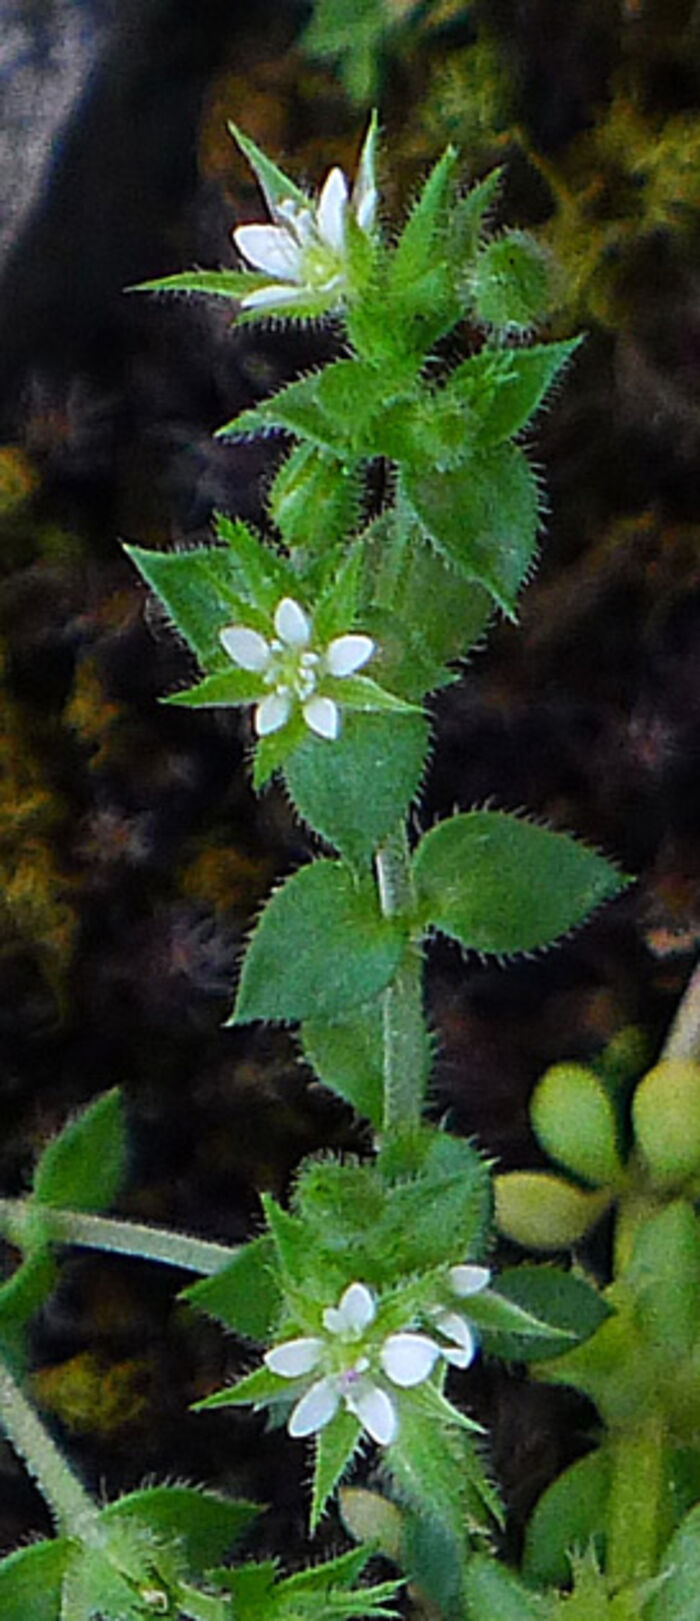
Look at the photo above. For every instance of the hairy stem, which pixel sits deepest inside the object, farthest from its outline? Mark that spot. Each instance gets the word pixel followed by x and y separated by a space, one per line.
pixel 638 1506
pixel 122 1237
pixel 406 1045
pixel 72 1507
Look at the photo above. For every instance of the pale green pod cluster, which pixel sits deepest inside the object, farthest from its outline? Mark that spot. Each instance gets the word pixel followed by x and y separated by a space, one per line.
pixel 666 1118
pixel 574 1121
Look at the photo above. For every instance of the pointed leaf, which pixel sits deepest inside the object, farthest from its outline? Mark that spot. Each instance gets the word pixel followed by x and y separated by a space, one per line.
pixel 483 516
pixel 31 1580
pixel 245 1294
pixel 500 884
pixel 262 576
pixel 20 1298
pixel 329 785
pixel 297 409
pixel 275 185
pixel 335 1448
pixel 225 690
pixel 494 1315
pixel 361 693
pixel 558 1298
pixel 415 253
pixel 205 1525
pixel 570 1516
pixel 506 387
pixel 220 283
pixel 291 1241
pixel 321 946
pixel 83 1168
pixel 261 1388
pixel 200 590
pixel 347 1055
pixel 468 217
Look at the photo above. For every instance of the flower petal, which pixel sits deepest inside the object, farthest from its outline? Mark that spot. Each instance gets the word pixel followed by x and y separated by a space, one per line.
pixel 246 647
pixel 291 623
pixel 469 1280
pixel 457 1328
pixel 407 1359
pixel 272 713
pixel 322 716
pixel 376 1413
pixel 345 654
pixel 270 248
pixel 316 1408
pixel 330 214
pixel 356 1308
pixel 294 1357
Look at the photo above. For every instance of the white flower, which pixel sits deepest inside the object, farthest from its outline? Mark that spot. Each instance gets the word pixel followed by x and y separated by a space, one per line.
pixel 304 250
pixel 293 670
pixel 464 1281
pixel 346 1359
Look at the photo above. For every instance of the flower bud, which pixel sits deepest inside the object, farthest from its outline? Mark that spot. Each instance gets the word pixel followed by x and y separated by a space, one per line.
pixel 574 1121
pixel 666 1116
pixel 542 1211
pixel 509 282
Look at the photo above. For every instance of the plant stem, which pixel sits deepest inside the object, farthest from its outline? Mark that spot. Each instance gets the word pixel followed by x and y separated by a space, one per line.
pixel 72 1507
pixel 122 1237
pixel 638 1502
pixel 406 1046
pixel 683 1039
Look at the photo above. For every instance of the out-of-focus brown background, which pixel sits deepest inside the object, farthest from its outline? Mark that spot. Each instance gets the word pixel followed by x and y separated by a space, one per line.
pixel 133 855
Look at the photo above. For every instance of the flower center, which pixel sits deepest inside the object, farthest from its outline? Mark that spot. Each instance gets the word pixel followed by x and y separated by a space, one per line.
pixel 292 671
pixel 322 265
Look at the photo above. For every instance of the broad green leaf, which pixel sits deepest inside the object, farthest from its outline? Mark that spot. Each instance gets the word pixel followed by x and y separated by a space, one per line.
pixel 329 785
pixel 245 1294
pixel 200 591
pixel 493 1593
pixel 569 1516
pixel 347 1054
pixel 560 1299
pixel 500 884
pixel 483 516
pixel 297 409
pixel 321 946
pixel 83 1168
pixel 335 1449
pixel 314 498
pixel 422 612
pixel 275 185
pixel 678 1595
pixel 205 1525
pixel 31 1580
pixel 20 1297
pixel 493 1314
pixel 224 690
pixel 504 387
pixel 352 393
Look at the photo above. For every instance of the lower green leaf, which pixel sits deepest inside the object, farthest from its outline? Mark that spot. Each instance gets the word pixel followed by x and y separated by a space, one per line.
pixel 31 1580
pixel 569 1516
pixel 356 791
pixel 335 1448
pixel 245 1295
pixel 205 1526
pixel 560 1299
pixel 83 1168
pixel 483 516
pixel 347 1055
pixel 321 946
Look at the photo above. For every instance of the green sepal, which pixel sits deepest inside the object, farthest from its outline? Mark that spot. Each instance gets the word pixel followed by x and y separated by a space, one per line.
pixel 493 1593
pixel 31 1580
pixel 338 591
pixel 437 1471
pixel 257 1389
pixel 329 784
pixel 245 1295
pixel 361 693
pixel 262 577
pixel 224 690
pixel 219 283
pixel 83 1168
pixel 467 218
pixel 204 1525
pixel 321 946
pixel 494 1315
pixel 275 185
pixel 420 284
pixel 335 1448
pixel 504 387
pixel 569 1516
pixel 565 1302
pixel 291 1241
pixel 296 409
pixel 347 1055
pixel 482 516
pixel 272 751
pixel 500 884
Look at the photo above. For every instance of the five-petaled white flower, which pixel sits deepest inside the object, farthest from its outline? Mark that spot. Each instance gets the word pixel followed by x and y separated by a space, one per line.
pixel 351 1366
pixel 464 1281
pixel 304 250
pixel 293 670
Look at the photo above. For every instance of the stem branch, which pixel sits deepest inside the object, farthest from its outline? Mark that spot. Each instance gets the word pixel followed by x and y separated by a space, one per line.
pixel 72 1507
pixel 406 1046
pixel 122 1237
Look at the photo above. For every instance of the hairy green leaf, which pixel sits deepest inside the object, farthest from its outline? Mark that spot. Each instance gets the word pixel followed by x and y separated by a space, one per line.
pixel 201 591
pixel 500 884
pixel 31 1580
pixel 347 1055
pixel 504 387
pixel 321 946
pixel 482 516
pixel 83 1168
pixel 205 1525
pixel 569 1516
pixel 245 1294
pixel 335 1448
pixel 329 786
pixel 560 1299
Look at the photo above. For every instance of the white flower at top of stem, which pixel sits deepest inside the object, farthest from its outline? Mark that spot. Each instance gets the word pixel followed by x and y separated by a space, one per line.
pixel 293 671
pixel 304 249
pixel 353 1367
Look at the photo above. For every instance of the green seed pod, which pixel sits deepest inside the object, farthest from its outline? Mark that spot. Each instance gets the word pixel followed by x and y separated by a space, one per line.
pixel 509 283
pixel 666 1115
pixel 574 1121
pixel 544 1212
